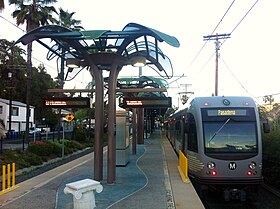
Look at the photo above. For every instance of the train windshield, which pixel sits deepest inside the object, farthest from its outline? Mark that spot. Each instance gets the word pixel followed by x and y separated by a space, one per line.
pixel 229 130
pixel 230 136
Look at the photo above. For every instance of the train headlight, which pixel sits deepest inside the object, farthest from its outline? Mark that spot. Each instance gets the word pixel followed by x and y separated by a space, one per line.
pixel 252 165
pixel 211 165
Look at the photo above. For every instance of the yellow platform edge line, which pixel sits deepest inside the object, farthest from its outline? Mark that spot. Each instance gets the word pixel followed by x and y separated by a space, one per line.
pixel 183 177
pixel 8 190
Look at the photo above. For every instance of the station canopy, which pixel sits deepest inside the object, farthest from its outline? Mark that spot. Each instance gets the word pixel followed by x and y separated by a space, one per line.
pixel 142 82
pixel 134 40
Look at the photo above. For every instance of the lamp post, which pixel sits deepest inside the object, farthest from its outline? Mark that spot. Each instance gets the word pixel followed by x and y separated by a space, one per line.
pixel 10 75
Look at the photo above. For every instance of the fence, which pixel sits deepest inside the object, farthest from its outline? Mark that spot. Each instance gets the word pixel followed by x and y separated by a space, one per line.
pixel 8 178
pixel 20 143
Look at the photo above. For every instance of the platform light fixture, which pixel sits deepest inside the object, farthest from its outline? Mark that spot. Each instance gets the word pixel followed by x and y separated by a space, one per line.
pixel 138 61
pixel 72 63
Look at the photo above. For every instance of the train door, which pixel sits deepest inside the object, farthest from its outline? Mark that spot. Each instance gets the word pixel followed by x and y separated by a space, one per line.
pixel 190 134
pixel 177 135
pixel 182 135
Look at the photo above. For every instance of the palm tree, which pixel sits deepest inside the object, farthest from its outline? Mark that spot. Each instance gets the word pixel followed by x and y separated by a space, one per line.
pixel 66 20
pixel 34 14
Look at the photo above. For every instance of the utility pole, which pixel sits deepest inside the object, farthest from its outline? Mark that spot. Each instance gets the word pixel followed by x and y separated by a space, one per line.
pixel 216 37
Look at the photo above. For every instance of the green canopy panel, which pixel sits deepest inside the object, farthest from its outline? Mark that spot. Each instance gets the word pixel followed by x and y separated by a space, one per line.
pixel 142 82
pixel 133 40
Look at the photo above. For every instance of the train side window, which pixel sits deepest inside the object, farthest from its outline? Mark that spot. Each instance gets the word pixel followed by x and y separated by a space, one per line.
pixel 191 133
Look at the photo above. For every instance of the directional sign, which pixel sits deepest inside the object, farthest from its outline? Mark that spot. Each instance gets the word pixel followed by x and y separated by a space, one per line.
pixel 69 117
pixel 67 102
pixel 147 102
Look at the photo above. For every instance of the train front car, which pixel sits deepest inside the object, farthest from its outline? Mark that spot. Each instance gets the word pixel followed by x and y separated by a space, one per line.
pixel 227 155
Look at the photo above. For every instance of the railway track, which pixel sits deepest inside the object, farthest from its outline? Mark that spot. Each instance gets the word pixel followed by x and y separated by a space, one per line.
pixel 269 198
pixel 271 189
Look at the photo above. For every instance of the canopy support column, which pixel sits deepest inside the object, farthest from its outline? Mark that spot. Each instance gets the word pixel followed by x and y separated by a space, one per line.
pixel 99 124
pixel 111 165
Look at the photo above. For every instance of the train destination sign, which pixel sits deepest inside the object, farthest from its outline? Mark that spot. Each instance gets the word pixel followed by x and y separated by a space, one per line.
pixel 227 112
pixel 147 102
pixel 67 102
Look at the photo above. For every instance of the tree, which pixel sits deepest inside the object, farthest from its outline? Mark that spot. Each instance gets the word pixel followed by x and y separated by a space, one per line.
pixel 33 14
pixel 14 62
pixel 66 20
pixel 268 100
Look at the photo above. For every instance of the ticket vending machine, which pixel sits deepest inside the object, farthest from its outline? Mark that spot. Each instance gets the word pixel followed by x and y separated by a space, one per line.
pixel 122 138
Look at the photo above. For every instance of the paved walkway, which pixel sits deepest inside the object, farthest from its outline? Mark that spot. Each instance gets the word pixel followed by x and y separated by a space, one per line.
pixel 150 180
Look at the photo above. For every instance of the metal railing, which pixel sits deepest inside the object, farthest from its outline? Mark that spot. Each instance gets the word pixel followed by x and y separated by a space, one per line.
pixel 18 141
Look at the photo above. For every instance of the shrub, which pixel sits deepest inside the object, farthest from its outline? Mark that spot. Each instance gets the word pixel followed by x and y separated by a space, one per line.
pixel 76 145
pixel 22 159
pixel 271 158
pixel 32 159
pixel 80 135
pixel 45 149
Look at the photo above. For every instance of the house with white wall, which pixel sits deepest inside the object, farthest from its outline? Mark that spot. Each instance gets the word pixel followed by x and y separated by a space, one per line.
pixel 18 118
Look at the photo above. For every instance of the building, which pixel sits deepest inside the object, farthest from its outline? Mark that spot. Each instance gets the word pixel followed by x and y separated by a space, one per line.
pixel 18 118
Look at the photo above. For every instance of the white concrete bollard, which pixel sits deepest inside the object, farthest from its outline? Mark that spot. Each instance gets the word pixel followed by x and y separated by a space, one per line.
pixel 83 193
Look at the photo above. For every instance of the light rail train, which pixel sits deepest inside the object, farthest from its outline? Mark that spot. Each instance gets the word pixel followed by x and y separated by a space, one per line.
pixel 221 138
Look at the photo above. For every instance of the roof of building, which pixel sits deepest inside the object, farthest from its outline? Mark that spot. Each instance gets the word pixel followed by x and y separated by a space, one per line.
pixel 14 103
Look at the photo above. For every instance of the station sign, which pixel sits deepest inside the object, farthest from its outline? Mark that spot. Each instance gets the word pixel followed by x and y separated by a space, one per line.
pixel 67 102
pixel 147 102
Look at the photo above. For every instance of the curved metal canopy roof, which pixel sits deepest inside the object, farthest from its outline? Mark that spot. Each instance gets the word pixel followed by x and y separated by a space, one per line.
pixel 133 40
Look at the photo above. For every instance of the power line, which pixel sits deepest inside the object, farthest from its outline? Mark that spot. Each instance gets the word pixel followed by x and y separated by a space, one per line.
pixel 234 76
pixel 12 23
pixel 25 32
pixel 224 39
pixel 45 64
pixel 217 27
pixel 269 95
pixel 212 32
pixel 244 16
pixel 241 20
pixel 255 98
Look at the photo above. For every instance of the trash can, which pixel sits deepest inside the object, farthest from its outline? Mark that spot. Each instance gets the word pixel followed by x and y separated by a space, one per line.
pixel 122 138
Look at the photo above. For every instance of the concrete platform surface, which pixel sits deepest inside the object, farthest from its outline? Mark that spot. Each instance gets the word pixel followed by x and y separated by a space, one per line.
pixel 150 180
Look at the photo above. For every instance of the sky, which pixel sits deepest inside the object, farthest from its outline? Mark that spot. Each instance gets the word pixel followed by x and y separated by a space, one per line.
pixel 248 61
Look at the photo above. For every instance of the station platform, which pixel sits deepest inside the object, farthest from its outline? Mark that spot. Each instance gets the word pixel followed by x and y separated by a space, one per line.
pixel 149 180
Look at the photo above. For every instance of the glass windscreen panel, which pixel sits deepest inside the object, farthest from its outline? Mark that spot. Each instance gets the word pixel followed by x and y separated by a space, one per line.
pixel 233 137
pixel 229 130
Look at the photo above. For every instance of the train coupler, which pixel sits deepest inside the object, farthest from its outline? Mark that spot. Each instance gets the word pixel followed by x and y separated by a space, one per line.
pixel 234 194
